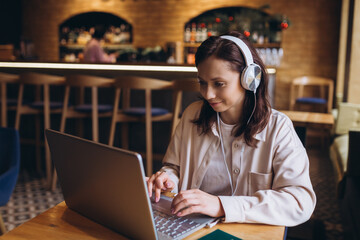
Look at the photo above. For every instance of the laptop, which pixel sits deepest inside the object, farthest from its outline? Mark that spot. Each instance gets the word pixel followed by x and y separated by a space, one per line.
pixel 107 185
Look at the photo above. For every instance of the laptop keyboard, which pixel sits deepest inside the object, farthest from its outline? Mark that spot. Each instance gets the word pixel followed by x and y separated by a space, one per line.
pixel 172 225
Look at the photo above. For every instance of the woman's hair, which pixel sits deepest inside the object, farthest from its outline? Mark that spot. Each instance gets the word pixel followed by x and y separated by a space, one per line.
pixel 227 50
pixel 99 32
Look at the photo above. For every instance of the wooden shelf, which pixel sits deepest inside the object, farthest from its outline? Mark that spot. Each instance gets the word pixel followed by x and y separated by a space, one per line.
pixel 192 45
pixel 108 46
pixel 267 45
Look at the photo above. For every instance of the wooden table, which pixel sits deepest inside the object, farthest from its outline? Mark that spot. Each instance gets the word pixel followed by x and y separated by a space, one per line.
pixel 310 119
pixel 60 222
pixel 304 120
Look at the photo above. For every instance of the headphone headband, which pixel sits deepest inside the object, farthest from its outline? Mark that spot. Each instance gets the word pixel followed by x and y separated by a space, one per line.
pixel 243 48
pixel 251 75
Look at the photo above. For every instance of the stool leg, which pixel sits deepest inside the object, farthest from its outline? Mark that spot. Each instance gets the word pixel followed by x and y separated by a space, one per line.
pixel 37 143
pixel 19 104
pixel 95 115
pixel 148 127
pixel 64 111
pixel 3 105
pixel 2 226
pixel 113 118
pixel 53 180
pixel 62 129
pixel 47 125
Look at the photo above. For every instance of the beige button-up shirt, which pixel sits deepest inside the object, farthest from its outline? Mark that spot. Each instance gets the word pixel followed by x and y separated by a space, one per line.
pixel 273 179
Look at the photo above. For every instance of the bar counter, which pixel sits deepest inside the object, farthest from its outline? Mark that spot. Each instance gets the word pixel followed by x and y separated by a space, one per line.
pixel 162 71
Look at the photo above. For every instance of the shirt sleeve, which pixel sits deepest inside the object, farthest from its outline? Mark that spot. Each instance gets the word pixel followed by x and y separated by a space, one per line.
pixel 291 199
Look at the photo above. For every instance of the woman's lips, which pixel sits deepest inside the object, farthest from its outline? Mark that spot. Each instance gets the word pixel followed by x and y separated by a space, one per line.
pixel 214 104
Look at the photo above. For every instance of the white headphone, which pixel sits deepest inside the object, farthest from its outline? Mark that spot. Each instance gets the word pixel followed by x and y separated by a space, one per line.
pixel 251 76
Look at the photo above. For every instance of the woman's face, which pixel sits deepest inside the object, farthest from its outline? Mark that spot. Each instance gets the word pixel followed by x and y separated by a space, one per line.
pixel 220 86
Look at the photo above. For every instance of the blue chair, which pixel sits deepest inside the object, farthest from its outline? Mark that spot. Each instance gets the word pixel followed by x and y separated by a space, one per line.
pixel 312 93
pixel 9 166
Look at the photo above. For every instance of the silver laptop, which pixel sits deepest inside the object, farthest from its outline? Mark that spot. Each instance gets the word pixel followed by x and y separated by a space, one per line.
pixel 107 185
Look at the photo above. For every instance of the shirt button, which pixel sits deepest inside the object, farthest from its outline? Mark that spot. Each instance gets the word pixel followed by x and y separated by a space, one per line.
pixel 236 171
pixel 236 145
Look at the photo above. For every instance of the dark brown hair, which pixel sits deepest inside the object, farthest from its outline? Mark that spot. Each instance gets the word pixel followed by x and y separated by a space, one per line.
pixel 227 50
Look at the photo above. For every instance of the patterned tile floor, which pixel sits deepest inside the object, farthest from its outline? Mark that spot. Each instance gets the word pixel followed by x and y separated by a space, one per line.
pixel 30 199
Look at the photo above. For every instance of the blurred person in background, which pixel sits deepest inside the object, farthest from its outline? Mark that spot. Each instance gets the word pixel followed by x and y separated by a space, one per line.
pixel 94 52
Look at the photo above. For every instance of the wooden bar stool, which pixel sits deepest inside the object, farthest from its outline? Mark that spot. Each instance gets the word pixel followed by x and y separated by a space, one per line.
pixel 81 110
pixel 94 110
pixel 147 114
pixel 7 104
pixel 179 87
pixel 42 106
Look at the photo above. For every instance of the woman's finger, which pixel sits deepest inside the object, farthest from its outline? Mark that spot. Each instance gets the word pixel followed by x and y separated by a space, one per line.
pixel 160 180
pixel 184 201
pixel 189 210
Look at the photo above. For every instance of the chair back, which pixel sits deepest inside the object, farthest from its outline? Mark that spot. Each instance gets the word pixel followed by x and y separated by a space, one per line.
pixel 88 81
pixel 325 86
pixel 141 83
pixel 127 83
pixel 40 79
pixel 8 78
pixel 348 118
pixel 9 162
pixel 180 86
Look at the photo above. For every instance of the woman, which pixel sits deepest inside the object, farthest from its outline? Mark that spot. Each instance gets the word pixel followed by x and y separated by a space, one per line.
pixel 232 156
pixel 94 52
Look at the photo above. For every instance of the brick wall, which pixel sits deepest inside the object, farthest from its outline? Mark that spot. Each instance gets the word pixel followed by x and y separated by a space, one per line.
pixel 310 44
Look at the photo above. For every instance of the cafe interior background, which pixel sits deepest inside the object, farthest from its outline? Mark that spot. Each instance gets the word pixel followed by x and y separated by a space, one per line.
pixel 294 38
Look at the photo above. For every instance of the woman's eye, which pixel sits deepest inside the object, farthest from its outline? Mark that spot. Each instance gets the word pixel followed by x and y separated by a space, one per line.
pixel 219 84
pixel 202 83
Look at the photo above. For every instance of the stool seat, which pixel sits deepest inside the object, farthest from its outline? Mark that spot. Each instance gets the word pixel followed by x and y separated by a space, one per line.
pixel 87 108
pixel 40 105
pixel 141 111
pixel 311 100
pixel 11 102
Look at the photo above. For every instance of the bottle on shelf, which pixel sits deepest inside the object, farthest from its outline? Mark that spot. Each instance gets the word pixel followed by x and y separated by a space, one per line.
pixel 193 33
pixel 209 30
pixel 198 37
pixel 203 32
pixel 187 34
pixel 190 55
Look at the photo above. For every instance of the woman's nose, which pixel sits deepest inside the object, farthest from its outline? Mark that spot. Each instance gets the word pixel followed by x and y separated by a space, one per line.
pixel 209 93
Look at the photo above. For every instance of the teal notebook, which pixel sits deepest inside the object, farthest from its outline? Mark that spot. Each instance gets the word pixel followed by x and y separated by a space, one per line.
pixel 218 234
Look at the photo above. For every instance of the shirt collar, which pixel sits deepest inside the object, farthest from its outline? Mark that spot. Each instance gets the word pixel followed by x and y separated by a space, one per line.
pixel 261 136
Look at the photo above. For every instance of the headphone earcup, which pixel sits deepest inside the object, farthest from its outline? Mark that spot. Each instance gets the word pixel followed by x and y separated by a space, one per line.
pixel 251 77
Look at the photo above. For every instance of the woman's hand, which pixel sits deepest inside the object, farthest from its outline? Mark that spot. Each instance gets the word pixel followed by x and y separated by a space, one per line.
pixel 197 201
pixel 159 181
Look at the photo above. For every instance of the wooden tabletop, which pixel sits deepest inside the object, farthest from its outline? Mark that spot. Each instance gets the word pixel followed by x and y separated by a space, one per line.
pixel 310 119
pixel 60 222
